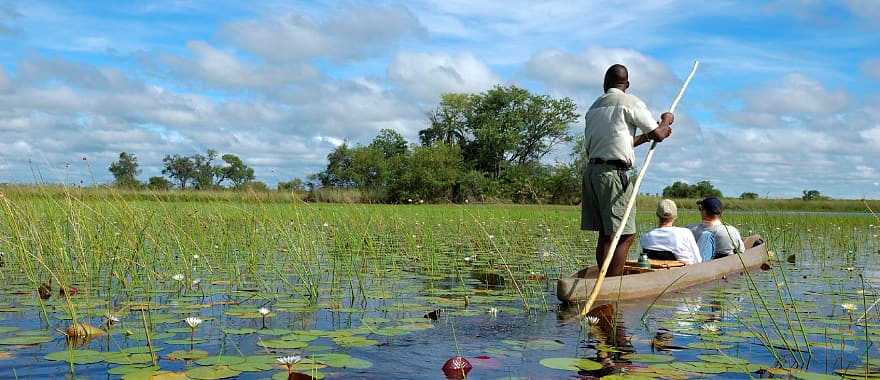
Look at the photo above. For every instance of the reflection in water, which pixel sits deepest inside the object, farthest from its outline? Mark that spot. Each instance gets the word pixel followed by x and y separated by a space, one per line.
pixel 607 336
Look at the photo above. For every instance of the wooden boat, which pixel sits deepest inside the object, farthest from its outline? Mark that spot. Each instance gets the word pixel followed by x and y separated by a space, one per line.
pixel 664 275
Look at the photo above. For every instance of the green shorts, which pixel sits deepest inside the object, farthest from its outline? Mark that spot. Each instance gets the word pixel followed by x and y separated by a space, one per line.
pixel 603 201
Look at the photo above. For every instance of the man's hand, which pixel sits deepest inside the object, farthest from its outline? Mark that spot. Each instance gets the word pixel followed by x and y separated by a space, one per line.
pixel 667 117
pixel 663 130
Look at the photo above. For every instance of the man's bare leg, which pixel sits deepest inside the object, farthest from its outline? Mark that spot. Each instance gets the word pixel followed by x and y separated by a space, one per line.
pixel 620 253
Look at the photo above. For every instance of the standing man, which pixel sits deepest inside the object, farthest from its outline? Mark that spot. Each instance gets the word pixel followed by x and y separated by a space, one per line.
pixel 609 139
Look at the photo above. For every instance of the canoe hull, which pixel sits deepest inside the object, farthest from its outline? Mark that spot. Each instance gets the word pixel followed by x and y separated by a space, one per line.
pixel 577 286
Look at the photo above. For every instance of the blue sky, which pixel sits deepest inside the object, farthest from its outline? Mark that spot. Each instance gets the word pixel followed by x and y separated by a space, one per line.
pixel 786 99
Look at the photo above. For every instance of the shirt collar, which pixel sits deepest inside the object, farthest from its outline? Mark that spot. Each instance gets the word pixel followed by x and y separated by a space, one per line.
pixel 614 90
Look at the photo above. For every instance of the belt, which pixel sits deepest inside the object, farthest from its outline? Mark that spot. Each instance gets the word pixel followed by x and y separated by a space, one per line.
pixel 620 164
pixel 622 167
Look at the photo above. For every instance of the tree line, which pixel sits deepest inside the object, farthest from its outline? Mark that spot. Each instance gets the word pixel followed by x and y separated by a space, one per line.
pixel 207 171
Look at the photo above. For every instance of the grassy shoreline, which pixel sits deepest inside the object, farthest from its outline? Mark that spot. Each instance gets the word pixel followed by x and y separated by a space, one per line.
pixel 644 202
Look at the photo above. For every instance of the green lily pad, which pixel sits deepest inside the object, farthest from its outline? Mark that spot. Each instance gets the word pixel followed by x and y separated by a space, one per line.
pixel 239 331
pixel 127 359
pixel 183 342
pixel 126 369
pixel 144 373
pixel 708 346
pixel 221 360
pixel 187 355
pixel 354 341
pixel 212 372
pixel 342 361
pixel 7 329
pixel 649 358
pixel 77 356
pixel 255 363
pixel 571 364
pixel 282 344
pixel 274 332
pixel 722 359
pixel 25 340
pixel 544 345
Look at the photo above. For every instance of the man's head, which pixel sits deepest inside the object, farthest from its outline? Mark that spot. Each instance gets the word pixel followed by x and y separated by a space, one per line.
pixel 710 207
pixel 617 77
pixel 667 211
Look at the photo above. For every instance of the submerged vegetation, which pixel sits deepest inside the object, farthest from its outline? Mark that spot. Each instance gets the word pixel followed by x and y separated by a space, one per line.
pixel 136 285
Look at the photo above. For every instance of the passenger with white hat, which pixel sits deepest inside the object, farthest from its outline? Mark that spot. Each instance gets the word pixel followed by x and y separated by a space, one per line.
pixel 667 242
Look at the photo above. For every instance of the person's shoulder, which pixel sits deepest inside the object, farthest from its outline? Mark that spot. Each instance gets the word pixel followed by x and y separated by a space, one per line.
pixel 633 101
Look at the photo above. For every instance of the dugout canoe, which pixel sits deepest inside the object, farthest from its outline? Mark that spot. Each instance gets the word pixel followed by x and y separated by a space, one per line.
pixel 652 282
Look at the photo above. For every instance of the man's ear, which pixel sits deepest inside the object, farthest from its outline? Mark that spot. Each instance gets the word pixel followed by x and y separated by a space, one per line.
pixel 627 86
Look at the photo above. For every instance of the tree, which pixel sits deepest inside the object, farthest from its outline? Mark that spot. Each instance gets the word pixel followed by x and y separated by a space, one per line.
pixel 295 184
pixel 700 189
pixel 179 168
pixel 390 143
pixel 337 173
pixel 256 186
pixel 428 173
pixel 813 195
pixel 235 171
pixel 125 171
pixel 204 170
pixel 158 183
pixel 748 195
pixel 448 123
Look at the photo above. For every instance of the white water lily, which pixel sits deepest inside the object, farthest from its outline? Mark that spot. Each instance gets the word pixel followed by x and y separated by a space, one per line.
pixel 111 319
pixel 710 327
pixel 197 281
pixel 592 320
pixel 264 311
pixel 178 277
pixel 494 312
pixel 848 307
pixel 193 322
pixel 289 360
pixel 195 257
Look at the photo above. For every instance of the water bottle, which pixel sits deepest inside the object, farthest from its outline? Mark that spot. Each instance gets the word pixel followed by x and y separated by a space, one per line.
pixel 644 262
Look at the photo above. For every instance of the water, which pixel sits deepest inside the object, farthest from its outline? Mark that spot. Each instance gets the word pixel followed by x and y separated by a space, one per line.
pixel 719 329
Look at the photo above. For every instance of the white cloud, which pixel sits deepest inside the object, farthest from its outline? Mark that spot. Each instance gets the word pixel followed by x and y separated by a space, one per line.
pixel 429 75
pixel 796 94
pixel 585 72
pixel 351 32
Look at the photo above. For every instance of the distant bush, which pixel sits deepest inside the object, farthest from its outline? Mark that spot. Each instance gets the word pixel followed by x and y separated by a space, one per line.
pixel 814 195
pixel 700 189
pixel 748 195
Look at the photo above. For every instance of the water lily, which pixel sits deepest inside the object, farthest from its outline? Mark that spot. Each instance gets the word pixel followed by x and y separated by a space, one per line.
pixel 494 312
pixel 178 277
pixel 195 257
pixel 289 361
pixel 111 319
pixel 193 322
pixel 848 307
pixel 710 327
pixel 592 320
pixel 264 311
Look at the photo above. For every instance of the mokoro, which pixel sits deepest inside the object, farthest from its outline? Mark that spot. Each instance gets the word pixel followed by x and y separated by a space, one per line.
pixel 577 287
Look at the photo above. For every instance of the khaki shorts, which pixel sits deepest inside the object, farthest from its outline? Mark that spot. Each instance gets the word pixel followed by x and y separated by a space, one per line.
pixel 603 201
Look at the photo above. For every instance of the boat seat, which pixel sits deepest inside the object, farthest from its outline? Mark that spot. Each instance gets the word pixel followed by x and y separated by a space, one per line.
pixel 658 264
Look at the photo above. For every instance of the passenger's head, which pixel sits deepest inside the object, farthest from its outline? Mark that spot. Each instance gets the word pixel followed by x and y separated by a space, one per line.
pixel 710 208
pixel 667 211
pixel 617 77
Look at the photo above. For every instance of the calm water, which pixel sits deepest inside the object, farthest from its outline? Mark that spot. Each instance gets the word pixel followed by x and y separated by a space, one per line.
pixel 718 329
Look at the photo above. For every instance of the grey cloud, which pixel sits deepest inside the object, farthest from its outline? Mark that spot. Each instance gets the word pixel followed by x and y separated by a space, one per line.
pixel 427 76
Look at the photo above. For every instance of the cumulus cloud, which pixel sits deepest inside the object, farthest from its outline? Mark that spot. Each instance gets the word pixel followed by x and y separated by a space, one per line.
pixel 216 67
pixel 429 75
pixel 585 71
pixel 796 100
pixel 352 32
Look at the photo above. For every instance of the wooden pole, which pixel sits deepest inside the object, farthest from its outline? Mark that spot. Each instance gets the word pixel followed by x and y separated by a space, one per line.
pixel 632 201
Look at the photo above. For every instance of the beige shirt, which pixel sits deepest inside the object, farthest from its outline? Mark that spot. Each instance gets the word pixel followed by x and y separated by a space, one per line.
pixel 611 124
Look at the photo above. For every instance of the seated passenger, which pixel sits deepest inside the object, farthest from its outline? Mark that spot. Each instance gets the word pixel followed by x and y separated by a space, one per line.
pixel 715 238
pixel 667 242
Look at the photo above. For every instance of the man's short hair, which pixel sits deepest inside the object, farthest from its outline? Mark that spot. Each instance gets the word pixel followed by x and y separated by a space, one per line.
pixel 617 74
pixel 711 205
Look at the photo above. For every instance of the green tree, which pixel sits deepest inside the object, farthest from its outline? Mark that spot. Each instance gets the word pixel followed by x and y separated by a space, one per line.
pixel 813 195
pixel 234 170
pixel 429 173
pixel 449 122
pixel 295 184
pixel 181 169
pixel 748 195
pixel 256 186
pixel 158 183
pixel 204 170
pixel 390 143
pixel 700 189
pixel 125 171
pixel 337 173
pixel 678 189
pixel 704 189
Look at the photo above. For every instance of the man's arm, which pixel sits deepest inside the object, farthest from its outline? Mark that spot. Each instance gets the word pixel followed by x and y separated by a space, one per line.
pixel 660 133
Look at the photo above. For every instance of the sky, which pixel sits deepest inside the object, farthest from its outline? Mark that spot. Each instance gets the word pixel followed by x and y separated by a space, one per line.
pixel 787 97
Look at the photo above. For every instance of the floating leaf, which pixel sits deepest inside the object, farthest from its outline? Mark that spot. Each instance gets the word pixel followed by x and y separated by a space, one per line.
pixel 221 360
pixel 342 361
pixel 544 344
pixel 188 355
pixel 239 331
pixel 649 358
pixel 571 364
pixel 282 344
pixel 77 356
pixel 25 340
pixel 256 363
pixel 212 372
pixel 722 359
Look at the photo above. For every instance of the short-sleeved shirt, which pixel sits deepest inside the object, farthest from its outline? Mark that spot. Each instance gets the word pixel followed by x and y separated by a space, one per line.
pixel 611 124
pixel 680 241
pixel 727 238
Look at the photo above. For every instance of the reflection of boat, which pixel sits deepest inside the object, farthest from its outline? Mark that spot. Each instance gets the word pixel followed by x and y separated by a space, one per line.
pixel 640 283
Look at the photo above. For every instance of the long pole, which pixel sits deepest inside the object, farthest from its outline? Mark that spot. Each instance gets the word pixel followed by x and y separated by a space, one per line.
pixel 632 201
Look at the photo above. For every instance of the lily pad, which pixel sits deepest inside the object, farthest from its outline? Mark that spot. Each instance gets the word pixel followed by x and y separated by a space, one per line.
pixel 221 360
pixel 723 359
pixel 77 356
pixel 239 331
pixel 187 355
pixel 571 364
pixel 282 344
pixel 544 345
pixel 256 363
pixel 342 361
pixel 649 358
pixel 25 340
pixel 354 341
pixel 212 372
